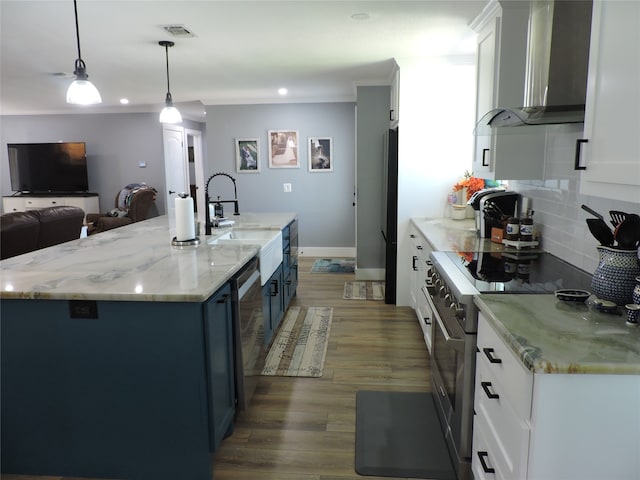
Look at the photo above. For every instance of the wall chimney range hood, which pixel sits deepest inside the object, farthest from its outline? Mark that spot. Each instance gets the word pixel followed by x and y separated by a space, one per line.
pixel 559 33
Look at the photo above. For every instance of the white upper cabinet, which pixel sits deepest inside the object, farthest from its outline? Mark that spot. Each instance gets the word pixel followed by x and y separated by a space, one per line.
pixel 500 78
pixel 611 154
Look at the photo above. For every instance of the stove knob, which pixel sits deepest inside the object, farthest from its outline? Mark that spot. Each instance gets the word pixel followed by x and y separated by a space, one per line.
pixel 442 291
pixel 437 282
pixel 457 309
pixel 447 299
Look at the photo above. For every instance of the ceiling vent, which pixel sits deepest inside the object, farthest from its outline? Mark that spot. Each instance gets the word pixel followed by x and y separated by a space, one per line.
pixel 178 31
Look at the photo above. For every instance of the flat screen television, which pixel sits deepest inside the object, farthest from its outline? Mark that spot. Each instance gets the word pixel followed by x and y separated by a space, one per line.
pixel 48 167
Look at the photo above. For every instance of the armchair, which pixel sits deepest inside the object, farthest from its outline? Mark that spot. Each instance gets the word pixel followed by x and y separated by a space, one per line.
pixel 132 205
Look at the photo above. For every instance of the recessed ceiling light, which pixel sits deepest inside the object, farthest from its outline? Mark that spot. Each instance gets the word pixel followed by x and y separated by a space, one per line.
pixel 124 101
pixel 282 91
pixel 361 16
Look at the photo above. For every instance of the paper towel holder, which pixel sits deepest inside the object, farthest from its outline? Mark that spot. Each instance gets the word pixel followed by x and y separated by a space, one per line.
pixel 185 243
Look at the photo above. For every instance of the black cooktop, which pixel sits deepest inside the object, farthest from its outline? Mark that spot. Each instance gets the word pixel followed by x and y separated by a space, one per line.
pixel 519 272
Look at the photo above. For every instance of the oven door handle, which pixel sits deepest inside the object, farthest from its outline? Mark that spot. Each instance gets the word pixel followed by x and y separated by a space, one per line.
pixel 453 342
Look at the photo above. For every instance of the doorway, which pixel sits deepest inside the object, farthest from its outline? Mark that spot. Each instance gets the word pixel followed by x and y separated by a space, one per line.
pixel 184 166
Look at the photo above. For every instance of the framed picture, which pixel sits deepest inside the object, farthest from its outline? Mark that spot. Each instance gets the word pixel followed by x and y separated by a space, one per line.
pixel 320 154
pixel 283 149
pixel 248 155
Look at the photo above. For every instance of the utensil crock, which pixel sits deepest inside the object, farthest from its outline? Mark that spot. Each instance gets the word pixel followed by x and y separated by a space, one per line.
pixel 615 275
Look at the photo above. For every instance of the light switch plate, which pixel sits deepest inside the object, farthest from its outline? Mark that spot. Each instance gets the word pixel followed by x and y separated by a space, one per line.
pixel 287 188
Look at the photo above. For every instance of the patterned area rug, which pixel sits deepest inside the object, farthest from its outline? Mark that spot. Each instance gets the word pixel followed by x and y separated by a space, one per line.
pixel 300 346
pixel 334 265
pixel 363 291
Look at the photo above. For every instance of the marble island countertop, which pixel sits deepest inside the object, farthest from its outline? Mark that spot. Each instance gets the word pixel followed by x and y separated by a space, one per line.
pixel 133 263
pixel 552 336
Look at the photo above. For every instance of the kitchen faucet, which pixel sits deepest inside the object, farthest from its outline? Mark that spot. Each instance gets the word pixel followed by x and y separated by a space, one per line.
pixel 208 224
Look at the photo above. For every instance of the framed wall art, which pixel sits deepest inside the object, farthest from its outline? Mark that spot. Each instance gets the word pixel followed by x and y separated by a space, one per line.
pixel 320 154
pixel 283 149
pixel 248 155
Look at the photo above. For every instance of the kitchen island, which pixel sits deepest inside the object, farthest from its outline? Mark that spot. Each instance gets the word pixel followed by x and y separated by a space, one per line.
pixel 557 391
pixel 117 356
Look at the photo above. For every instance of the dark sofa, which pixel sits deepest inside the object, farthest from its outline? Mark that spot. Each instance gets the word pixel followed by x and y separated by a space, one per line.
pixel 22 232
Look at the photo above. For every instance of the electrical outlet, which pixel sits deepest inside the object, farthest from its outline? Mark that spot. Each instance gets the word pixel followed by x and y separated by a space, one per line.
pixel 287 188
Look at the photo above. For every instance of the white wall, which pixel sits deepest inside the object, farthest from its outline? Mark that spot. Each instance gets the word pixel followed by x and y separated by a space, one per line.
pixel 437 99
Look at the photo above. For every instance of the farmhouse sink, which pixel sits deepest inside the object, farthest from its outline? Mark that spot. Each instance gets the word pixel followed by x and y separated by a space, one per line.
pixel 270 242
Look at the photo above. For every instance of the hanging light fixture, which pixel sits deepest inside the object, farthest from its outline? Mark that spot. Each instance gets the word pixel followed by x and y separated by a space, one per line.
pixel 81 91
pixel 169 113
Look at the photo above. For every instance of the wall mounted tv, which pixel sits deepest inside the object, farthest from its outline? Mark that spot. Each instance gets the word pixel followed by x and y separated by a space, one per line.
pixel 48 167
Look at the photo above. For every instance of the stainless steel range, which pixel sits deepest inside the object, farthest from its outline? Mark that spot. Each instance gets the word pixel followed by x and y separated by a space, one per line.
pixel 456 278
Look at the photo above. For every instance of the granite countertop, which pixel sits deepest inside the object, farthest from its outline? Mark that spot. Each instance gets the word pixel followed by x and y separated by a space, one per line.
pixel 447 235
pixel 133 263
pixel 551 336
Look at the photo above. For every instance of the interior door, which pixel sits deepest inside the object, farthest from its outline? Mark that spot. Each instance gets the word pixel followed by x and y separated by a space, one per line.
pixel 176 167
pixel 194 138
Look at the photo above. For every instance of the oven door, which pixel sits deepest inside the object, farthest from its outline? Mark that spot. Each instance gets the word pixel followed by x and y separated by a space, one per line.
pixel 453 367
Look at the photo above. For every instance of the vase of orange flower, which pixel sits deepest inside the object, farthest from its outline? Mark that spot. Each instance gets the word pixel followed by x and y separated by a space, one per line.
pixel 466 188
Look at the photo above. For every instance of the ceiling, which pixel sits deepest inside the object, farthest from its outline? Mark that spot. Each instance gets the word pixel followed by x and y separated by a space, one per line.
pixel 240 52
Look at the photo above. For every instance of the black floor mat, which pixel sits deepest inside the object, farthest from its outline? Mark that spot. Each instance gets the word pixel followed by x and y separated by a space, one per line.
pixel 398 435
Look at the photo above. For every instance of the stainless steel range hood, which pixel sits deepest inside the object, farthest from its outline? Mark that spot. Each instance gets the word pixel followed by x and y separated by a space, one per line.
pixel 557 64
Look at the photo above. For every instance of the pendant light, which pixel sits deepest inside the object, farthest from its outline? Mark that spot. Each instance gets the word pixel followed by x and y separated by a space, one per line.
pixel 169 113
pixel 81 91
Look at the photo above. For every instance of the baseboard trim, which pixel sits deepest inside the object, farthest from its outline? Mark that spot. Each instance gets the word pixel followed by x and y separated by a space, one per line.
pixel 327 252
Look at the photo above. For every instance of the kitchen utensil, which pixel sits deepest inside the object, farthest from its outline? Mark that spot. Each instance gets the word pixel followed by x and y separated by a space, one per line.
pixel 592 212
pixel 617 217
pixel 627 233
pixel 601 231
pixel 495 207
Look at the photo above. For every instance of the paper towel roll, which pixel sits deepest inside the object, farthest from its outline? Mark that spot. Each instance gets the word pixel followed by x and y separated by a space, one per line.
pixel 185 226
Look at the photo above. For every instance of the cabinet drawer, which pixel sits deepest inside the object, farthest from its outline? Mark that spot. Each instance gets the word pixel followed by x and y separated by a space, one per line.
pixel 33 203
pixel 507 372
pixel 483 457
pixel 508 433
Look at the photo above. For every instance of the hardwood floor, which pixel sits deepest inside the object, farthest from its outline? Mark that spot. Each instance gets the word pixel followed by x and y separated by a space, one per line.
pixel 304 428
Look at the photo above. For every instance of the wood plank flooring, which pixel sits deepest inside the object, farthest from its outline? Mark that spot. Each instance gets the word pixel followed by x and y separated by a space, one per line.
pixel 304 428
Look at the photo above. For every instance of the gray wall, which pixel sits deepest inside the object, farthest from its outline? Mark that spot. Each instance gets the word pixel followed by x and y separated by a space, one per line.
pixel 323 200
pixel 116 143
pixel 373 122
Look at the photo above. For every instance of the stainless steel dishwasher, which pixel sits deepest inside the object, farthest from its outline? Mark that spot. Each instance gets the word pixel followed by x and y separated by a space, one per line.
pixel 248 331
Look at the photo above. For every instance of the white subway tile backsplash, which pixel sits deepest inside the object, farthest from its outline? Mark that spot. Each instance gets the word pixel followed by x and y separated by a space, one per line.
pixel 560 218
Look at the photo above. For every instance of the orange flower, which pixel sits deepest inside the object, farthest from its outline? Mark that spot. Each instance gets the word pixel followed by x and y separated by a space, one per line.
pixel 472 184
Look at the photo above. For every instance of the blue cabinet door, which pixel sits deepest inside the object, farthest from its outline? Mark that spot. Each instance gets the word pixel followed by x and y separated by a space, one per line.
pixel 122 394
pixel 272 304
pixel 220 370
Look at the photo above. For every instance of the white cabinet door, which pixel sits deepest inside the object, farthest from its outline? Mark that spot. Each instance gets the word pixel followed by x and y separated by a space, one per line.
pixel 485 65
pixel 500 79
pixel 611 156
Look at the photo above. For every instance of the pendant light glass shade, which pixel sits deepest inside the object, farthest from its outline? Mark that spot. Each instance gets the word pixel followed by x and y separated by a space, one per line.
pixel 169 113
pixel 81 91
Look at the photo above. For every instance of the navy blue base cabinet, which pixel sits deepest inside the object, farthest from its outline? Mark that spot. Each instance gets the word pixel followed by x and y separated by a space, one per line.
pixel 142 391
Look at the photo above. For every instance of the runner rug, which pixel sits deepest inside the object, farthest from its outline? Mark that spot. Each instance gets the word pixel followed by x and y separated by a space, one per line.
pixel 363 291
pixel 334 265
pixel 300 347
pixel 398 434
